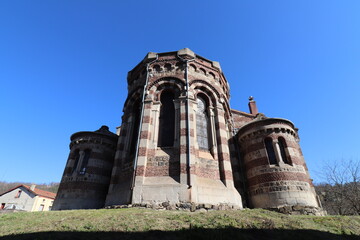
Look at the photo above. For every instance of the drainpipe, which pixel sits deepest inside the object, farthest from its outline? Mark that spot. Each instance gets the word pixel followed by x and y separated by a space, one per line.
pixel 141 121
pixel 188 157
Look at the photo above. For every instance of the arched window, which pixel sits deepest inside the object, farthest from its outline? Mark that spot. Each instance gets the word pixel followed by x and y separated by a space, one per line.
pixel 135 127
pixel 168 67
pixel 76 157
pixel 202 124
pixel 166 120
pixel 179 66
pixel 270 150
pixel 157 68
pixel 282 146
pixel 85 161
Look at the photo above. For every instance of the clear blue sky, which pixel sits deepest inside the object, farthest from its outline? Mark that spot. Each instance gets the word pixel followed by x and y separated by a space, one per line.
pixel 63 67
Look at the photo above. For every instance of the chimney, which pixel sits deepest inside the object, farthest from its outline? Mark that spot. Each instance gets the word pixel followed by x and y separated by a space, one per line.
pixel 252 106
pixel 32 187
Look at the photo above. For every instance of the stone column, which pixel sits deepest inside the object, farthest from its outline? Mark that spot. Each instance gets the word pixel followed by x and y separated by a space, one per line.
pixel 155 125
pixel 213 143
pixel 143 150
pixel 277 151
pixel 184 192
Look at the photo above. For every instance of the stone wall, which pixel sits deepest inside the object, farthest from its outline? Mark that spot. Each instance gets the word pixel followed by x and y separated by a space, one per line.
pixel 86 179
pixel 283 183
pixel 214 153
pixel 182 172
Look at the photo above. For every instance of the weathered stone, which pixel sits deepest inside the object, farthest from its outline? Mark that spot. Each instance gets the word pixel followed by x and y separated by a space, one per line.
pixel 186 205
pixel 171 207
pixel 202 210
pixel 208 206
pixel 200 206
pixel 193 207
pixel 297 208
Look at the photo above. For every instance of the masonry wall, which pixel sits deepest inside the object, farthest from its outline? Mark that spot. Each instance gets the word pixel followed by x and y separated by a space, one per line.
pixel 42 204
pixel 283 183
pixel 24 202
pixel 181 172
pixel 214 154
pixel 86 178
pixel 239 119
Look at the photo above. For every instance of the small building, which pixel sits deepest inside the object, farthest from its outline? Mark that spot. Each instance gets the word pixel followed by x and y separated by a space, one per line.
pixel 26 198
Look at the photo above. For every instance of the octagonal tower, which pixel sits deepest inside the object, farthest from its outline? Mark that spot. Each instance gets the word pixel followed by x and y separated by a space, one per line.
pixel 173 143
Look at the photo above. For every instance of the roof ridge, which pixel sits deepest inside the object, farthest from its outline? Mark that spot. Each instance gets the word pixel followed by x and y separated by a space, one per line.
pixel 36 191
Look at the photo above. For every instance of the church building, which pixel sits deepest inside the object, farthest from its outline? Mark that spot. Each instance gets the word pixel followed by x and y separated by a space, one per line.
pixel 180 142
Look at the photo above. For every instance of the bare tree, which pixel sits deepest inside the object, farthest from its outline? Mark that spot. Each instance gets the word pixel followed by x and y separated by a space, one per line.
pixel 341 193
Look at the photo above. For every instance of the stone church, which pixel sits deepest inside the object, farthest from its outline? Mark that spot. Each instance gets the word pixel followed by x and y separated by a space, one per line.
pixel 181 142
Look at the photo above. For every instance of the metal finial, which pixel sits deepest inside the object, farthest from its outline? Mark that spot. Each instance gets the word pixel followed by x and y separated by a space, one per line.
pixel 251 98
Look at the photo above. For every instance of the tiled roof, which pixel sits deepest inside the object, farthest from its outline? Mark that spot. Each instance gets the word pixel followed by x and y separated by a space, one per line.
pixel 42 193
pixel 36 191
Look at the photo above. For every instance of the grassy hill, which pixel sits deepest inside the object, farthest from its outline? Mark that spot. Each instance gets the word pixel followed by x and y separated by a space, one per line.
pixel 135 223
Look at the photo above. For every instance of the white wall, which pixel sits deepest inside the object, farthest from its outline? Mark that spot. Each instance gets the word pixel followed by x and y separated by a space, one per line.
pixel 24 202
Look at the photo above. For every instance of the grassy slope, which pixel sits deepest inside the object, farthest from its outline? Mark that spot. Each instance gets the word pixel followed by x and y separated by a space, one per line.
pixel 149 224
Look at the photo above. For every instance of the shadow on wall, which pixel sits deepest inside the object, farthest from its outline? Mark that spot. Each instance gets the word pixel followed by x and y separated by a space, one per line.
pixel 198 233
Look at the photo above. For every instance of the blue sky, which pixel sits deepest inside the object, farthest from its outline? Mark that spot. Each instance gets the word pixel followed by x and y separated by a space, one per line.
pixel 63 67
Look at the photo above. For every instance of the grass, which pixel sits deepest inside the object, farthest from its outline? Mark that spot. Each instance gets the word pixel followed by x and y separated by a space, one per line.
pixel 135 223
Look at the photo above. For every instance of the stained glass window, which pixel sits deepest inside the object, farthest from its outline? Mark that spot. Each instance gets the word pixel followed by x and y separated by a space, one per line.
pixel 202 124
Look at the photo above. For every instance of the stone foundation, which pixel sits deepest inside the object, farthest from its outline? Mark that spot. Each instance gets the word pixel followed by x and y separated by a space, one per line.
pixel 299 210
pixel 190 207
pixel 193 207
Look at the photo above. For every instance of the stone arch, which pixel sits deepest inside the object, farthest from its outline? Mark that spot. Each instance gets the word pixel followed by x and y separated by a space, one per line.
pixel 157 68
pixel 211 92
pixel 134 96
pixel 156 87
pixel 166 87
pixel 203 83
pixel 204 95
pixel 179 66
pixel 192 67
pixel 168 67
pixel 202 70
